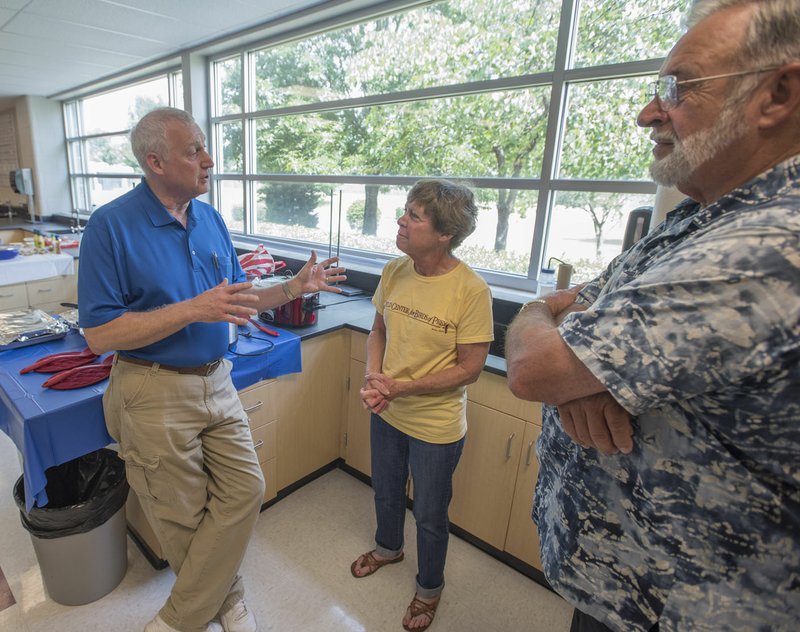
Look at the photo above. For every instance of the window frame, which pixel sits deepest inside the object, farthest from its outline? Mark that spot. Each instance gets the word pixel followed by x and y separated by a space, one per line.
pixel 73 119
pixel 548 184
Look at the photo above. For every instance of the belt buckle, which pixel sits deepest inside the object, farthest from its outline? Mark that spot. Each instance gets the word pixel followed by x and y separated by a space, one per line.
pixel 211 367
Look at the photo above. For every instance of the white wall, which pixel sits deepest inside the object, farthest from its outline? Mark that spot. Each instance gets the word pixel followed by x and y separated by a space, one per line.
pixel 41 147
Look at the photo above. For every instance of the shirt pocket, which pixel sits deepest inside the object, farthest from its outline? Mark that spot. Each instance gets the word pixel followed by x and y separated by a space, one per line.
pixel 226 268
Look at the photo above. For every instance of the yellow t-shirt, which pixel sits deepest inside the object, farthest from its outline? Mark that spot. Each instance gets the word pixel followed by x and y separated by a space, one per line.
pixel 425 318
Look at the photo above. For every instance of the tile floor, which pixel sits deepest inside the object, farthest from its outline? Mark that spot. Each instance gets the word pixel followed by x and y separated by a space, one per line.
pixel 297 573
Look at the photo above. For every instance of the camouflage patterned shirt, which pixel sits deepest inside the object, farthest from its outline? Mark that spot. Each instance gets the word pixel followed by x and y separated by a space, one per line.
pixel 695 331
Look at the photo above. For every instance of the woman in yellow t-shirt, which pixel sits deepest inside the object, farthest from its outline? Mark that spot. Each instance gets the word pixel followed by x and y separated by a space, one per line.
pixel 430 339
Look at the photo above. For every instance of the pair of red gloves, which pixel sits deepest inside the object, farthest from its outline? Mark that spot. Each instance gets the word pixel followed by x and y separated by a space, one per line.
pixel 72 369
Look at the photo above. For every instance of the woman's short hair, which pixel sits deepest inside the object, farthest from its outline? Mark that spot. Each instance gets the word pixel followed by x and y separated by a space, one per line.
pixel 150 133
pixel 451 207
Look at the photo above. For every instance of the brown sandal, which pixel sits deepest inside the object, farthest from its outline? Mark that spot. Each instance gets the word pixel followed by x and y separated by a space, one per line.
pixel 418 608
pixel 369 562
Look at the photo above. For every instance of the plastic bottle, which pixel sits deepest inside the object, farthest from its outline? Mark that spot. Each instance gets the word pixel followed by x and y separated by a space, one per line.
pixel 546 283
pixel 56 244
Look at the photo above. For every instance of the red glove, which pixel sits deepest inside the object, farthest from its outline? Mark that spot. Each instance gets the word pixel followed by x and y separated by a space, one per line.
pixel 60 361
pixel 81 376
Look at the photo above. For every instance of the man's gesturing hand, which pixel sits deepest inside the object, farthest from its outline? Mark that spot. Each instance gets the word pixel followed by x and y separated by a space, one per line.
pixel 226 303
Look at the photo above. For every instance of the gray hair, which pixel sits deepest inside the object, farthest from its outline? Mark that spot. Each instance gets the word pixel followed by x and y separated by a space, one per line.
pixel 773 36
pixel 150 133
pixel 451 207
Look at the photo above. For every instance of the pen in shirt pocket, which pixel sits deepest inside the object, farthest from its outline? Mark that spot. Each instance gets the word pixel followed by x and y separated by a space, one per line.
pixel 215 260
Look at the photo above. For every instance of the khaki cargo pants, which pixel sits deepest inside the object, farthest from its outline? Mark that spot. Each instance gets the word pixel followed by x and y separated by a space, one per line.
pixel 190 459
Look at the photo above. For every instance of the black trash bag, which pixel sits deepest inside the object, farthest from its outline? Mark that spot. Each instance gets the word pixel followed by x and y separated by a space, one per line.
pixel 82 494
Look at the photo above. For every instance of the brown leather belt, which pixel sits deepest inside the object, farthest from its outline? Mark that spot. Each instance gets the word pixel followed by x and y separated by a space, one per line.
pixel 205 369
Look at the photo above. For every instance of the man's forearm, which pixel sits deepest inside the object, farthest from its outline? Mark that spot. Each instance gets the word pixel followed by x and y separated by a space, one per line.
pixel 540 365
pixel 133 330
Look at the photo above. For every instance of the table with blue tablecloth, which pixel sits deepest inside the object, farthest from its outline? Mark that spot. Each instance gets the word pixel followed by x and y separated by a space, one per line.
pixel 50 427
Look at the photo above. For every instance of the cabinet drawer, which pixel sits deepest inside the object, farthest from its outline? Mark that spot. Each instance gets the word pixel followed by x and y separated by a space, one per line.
pixel 491 390
pixel 265 439
pixel 258 403
pixel 13 296
pixel 47 291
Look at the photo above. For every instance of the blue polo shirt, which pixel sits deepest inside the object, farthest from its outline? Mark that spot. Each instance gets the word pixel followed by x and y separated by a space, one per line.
pixel 136 257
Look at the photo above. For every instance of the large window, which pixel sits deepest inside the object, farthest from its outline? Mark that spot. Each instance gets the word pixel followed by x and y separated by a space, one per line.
pixel 101 164
pixel 317 139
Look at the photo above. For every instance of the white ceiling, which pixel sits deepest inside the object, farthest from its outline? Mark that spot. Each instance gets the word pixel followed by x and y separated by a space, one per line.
pixel 51 46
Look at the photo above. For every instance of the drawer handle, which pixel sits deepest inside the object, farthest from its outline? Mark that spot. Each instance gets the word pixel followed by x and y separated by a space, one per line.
pixel 6 295
pixel 255 406
pixel 530 450
pixel 508 446
pixel 45 290
pixel 259 444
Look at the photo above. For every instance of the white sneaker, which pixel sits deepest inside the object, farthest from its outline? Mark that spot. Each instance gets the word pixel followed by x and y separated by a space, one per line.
pixel 239 619
pixel 159 625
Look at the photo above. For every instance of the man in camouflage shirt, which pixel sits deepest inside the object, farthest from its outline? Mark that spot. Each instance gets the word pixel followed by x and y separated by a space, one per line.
pixel 669 486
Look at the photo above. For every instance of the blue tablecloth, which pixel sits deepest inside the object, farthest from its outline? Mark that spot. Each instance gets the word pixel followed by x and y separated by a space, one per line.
pixel 51 427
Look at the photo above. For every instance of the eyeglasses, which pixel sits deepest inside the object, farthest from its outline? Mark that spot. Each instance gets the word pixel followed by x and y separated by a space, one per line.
pixel 665 89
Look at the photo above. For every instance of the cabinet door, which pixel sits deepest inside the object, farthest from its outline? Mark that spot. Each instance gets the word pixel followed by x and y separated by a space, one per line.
pixel 309 408
pixel 357 451
pixel 522 540
pixel 483 485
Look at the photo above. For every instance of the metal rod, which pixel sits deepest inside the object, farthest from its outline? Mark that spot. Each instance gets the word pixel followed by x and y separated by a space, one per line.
pixel 330 228
pixel 339 231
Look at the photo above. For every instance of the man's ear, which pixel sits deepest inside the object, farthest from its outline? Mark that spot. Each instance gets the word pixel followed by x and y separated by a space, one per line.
pixel 154 163
pixel 783 100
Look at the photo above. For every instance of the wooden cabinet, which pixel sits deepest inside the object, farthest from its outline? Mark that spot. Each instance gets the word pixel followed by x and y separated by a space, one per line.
pixel 357 450
pixel 483 485
pixel 522 539
pixel 495 479
pixel 47 294
pixel 259 404
pixel 309 408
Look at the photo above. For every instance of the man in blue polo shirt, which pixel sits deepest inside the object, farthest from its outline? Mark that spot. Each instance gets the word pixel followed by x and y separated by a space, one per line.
pixel 160 284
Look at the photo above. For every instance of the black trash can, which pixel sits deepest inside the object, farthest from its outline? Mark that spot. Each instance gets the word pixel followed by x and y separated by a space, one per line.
pixel 79 537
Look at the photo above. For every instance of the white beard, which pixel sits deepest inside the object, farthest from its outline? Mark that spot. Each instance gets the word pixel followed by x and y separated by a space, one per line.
pixel 689 154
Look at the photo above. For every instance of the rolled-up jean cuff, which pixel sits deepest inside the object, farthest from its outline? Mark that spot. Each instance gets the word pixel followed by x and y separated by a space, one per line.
pixel 429 593
pixel 387 553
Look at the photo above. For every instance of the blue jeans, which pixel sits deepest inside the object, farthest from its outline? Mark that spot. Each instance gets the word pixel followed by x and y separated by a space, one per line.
pixel 432 466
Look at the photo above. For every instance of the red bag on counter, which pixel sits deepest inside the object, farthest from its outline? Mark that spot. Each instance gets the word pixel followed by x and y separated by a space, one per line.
pixel 61 361
pixel 259 262
pixel 81 376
